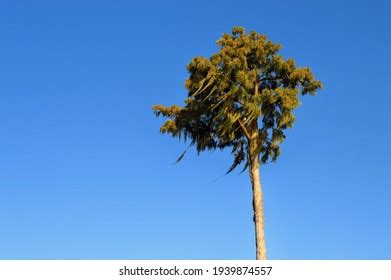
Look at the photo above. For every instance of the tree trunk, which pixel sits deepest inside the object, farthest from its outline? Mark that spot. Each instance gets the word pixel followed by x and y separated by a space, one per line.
pixel 259 219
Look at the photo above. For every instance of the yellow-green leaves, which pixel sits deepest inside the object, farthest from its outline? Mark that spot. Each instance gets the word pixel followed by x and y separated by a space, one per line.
pixel 171 111
pixel 237 30
pixel 169 127
pixel 244 89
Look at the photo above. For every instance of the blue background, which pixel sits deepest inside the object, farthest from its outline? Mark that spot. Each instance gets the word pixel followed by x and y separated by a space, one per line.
pixel 85 174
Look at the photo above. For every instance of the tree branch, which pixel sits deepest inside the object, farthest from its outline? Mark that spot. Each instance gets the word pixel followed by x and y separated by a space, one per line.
pixel 244 130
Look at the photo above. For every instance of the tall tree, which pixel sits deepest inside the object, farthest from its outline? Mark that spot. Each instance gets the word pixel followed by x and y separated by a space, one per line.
pixel 241 98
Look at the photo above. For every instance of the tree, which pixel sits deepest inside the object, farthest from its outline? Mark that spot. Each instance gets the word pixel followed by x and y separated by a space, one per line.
pixel 241 98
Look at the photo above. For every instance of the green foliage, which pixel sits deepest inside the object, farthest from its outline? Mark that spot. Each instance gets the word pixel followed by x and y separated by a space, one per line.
pixel 244 94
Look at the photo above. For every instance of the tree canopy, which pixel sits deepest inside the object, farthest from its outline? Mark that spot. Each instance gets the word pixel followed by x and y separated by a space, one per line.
pixel 245 92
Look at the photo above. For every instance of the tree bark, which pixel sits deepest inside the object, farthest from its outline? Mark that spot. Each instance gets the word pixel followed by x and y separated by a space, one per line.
pixel 259 219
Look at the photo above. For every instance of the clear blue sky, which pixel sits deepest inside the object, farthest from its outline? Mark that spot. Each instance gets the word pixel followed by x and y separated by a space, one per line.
pixel 84 172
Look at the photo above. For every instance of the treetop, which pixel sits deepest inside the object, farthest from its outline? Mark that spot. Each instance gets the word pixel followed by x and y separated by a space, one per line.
pixel 245 93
